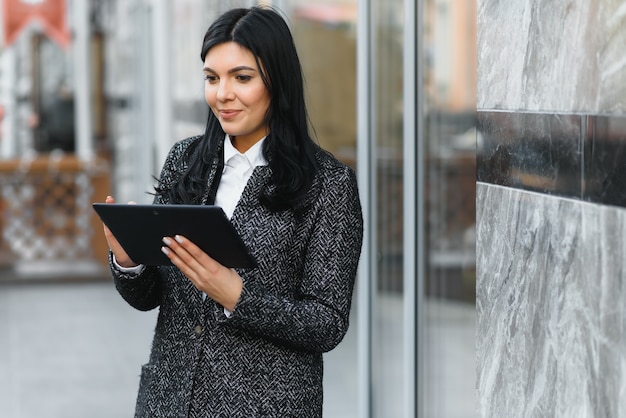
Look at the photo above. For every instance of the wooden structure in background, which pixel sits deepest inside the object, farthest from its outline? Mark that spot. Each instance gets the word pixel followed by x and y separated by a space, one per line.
pixel 46 212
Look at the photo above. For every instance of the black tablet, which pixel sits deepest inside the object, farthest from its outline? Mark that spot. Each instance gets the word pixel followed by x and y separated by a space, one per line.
pixel 141 228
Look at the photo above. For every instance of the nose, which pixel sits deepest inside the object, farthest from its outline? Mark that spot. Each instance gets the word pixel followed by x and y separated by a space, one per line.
pixel 224 91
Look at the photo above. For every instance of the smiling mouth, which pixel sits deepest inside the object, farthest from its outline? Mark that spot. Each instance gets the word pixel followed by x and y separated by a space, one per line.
pixel 228 114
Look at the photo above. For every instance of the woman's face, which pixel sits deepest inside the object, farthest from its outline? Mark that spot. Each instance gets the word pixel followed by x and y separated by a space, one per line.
pixel 236 94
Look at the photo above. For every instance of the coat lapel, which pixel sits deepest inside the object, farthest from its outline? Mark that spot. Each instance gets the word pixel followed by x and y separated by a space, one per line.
pixel 249 200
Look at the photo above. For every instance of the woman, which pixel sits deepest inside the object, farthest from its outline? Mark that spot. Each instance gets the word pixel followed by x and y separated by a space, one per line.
pixel 235 342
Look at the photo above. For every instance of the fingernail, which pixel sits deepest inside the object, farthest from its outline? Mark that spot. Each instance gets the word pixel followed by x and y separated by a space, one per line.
pixel 166 241
pixel 178 239
pixel 165 250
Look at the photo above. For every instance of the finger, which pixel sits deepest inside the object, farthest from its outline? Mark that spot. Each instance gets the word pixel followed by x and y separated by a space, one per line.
pixel 220 283
pixel 181 259
pixel 206 261
pixel 191 260
pixel 177 251
pixel 182 252
pixel 107 232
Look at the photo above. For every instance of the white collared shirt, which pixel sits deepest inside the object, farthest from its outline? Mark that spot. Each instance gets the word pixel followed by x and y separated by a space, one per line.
pixel 238 168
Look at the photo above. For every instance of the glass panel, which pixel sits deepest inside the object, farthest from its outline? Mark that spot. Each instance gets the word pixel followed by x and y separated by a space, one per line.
pixel 450 134
pixel 387 316
pixel 325 35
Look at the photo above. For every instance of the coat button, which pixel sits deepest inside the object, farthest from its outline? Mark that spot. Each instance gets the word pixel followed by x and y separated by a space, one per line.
pixel 198 329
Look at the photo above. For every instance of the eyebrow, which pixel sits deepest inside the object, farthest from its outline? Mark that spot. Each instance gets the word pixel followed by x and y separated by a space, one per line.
pixel 232 70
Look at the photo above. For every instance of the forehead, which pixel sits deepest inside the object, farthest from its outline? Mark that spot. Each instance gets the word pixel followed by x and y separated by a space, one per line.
pixel 229 54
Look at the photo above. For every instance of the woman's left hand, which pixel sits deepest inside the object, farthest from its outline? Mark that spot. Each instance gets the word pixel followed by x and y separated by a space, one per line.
pixel 220 283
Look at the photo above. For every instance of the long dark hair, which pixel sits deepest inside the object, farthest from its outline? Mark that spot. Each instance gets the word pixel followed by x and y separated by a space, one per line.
pixel 288 148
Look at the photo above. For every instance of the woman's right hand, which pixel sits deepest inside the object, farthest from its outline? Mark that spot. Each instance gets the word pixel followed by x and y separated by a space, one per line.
pixel 121 257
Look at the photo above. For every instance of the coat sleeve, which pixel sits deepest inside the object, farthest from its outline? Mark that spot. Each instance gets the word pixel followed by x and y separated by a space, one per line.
pixel 318 319
pixel 143 291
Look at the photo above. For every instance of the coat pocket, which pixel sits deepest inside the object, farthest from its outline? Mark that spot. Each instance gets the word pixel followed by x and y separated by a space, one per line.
pixel 146 402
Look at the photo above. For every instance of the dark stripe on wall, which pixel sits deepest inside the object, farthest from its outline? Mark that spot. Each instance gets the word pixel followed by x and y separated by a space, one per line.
pixel 571 155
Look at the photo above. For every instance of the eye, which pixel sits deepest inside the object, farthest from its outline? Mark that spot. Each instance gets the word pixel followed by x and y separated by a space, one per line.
pixel 244 78
pixel 210 78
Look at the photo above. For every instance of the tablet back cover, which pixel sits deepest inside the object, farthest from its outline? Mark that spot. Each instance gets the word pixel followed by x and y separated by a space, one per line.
pixel 141 228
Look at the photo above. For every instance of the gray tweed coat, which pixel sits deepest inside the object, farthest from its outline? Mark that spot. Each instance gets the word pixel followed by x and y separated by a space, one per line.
pixel 266 359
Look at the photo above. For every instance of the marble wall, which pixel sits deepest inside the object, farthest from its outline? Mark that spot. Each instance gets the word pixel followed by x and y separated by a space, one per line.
pixel 551 192
pixel 544 55
pixel 573 155
pixel 550 303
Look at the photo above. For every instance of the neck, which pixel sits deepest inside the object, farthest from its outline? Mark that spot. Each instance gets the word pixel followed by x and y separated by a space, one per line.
pixel 243 144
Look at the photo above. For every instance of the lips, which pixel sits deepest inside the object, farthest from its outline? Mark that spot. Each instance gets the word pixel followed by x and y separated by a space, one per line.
pixel 228 113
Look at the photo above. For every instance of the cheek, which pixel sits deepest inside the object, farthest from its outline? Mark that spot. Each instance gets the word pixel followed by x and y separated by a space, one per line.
pixel 263 100
pixel 209 95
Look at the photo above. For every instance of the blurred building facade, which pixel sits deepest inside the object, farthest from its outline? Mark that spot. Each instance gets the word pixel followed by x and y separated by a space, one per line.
pixel 391 88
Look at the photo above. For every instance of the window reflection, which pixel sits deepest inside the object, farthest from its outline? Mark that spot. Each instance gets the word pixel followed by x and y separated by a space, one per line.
pixel 450 196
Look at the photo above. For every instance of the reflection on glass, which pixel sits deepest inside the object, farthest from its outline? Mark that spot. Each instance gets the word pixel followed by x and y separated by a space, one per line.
pixel 448 369
pixel 387 328
pixel 325 35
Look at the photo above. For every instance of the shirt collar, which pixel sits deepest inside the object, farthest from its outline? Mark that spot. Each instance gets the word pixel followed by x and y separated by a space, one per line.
pixel 254 155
